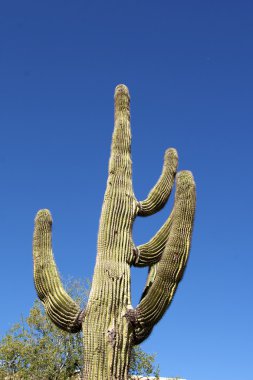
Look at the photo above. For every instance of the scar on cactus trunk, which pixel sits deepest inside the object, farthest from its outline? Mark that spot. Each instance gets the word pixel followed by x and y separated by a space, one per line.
pixel 110 325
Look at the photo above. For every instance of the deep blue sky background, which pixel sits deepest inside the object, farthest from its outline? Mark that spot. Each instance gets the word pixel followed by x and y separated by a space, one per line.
pixel 188 65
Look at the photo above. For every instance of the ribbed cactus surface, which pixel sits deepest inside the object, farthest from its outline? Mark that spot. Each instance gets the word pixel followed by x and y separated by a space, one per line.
pixel 110 325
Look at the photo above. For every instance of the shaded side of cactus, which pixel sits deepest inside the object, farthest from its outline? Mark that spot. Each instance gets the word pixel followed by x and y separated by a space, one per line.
pixel 110 325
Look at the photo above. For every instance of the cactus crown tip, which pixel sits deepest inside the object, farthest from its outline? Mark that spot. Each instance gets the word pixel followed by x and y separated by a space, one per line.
pixel 171 152
pixel 121 89
pixel 43 215
pixel 185 178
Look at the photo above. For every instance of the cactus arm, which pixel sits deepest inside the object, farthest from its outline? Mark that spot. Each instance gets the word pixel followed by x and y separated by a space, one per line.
pixel 150 253
pixel 160 193
pixel 150 279
pixel 60 307
pixel 169 271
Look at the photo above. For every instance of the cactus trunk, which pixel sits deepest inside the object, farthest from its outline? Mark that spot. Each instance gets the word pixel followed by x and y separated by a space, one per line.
pixel 107 333
pixel 111 327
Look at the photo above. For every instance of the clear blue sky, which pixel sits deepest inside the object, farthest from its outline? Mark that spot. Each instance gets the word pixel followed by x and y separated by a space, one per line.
pixel 188 65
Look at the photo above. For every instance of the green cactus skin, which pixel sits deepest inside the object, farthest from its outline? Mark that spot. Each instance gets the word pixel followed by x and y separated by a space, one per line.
pixel 109 323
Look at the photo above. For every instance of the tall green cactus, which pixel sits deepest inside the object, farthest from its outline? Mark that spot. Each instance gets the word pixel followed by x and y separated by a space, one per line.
pixel 110 325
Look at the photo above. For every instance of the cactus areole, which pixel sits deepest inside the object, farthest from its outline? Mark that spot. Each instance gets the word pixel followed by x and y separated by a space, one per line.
pixel 110 325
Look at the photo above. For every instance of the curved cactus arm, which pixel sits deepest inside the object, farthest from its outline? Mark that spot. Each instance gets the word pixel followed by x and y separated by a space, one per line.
pixel 160 193
pixel 60 307
pixel 170 268
pixel 150 253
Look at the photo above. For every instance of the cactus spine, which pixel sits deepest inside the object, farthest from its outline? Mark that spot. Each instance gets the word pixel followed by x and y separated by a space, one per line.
pixel 109 323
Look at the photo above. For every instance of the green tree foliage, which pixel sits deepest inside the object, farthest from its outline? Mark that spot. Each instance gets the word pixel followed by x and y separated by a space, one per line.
pixel 36 349
pixel 142 363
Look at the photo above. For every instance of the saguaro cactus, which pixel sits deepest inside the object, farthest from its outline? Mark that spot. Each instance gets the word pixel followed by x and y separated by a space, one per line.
pixel 111 326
